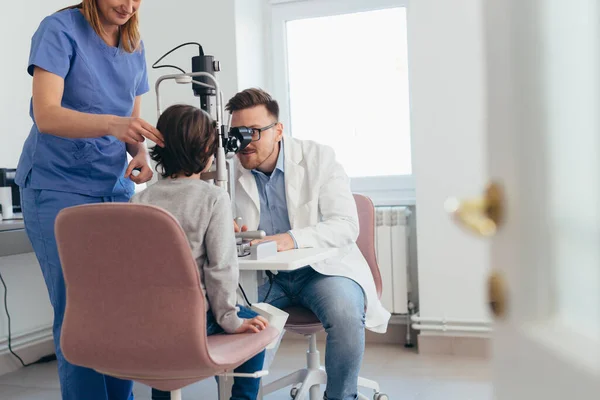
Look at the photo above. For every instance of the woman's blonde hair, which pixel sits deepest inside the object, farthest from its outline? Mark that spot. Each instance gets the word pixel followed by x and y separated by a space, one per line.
pixel 130 32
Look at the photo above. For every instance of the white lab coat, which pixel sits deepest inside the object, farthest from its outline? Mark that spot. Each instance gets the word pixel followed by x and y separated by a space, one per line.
pixel 322 213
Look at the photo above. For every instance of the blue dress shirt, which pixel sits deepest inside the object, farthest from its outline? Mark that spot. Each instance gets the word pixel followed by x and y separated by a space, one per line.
pixel 274 218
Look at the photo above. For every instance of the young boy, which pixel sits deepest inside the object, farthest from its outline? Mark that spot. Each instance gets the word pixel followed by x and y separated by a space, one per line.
pixel 204 212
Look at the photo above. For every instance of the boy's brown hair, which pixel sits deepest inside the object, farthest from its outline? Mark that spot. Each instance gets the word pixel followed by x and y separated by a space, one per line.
pixel 190 140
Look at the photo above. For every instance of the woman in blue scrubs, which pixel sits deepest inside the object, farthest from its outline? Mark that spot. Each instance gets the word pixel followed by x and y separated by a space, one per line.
pixel 89 71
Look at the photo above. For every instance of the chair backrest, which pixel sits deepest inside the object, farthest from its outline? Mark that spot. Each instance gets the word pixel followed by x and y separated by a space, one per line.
pixel 131 282
pixel 366 236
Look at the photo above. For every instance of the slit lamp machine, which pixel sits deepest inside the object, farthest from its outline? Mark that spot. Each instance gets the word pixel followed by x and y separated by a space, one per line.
pixel 230 140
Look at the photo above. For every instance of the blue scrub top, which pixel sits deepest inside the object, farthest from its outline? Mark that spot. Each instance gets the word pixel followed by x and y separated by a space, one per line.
pixel 99 79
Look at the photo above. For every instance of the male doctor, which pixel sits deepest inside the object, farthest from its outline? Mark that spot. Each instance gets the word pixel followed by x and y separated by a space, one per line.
pixel 298 193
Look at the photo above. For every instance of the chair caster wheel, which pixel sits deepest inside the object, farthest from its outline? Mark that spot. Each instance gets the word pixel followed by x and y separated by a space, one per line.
pixel 380 396
pixel 294 393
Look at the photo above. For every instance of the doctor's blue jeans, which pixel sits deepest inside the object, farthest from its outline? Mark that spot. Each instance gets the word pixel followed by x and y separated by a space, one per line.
pixel 40 208
pixel 339 303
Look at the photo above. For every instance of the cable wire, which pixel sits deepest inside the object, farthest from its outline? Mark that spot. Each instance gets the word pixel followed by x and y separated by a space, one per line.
pixel 244 294
pixel 200 51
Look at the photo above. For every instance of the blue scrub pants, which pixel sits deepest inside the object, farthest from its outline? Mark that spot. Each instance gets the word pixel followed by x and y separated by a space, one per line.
pixel 40 208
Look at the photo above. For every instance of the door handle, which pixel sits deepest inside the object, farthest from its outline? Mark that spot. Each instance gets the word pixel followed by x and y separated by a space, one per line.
pixel 497 295
pixel 481 215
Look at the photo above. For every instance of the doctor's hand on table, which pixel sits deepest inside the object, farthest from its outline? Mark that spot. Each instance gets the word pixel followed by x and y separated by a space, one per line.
pixel 284 240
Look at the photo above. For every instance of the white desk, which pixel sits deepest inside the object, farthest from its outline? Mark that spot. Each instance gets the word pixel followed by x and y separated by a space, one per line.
pixel 12 224
pixel 287 260
pixel 252 271
pixel 252 275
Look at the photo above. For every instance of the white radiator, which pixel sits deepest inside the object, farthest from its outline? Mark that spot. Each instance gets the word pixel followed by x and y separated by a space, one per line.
pixel 391 242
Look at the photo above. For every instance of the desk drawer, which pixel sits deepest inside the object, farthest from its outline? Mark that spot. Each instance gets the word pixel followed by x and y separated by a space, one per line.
pixel 14 242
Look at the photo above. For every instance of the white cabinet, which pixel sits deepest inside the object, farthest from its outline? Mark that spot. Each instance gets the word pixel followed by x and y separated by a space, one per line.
pixel 27 301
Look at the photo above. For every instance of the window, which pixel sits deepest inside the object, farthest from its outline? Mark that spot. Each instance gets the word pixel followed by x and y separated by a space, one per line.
pixel 341 75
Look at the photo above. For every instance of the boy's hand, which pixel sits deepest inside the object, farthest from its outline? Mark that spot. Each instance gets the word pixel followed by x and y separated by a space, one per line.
pixel 237 229
pixel 253 325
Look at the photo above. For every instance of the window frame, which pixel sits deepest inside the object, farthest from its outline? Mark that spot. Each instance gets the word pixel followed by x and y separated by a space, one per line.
pixel 383 190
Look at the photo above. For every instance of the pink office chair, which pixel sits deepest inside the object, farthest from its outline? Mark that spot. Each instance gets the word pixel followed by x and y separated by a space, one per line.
pixel 307 381
pixel 135 309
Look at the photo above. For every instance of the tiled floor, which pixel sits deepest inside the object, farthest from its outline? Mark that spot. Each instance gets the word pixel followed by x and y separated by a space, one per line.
pixel 403 375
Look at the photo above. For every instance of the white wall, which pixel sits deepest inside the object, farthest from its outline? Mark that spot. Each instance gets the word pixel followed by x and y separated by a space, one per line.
pixel 167 25
pixel 252 20
pixel 230 30
pixel 18 22
pixel 448 115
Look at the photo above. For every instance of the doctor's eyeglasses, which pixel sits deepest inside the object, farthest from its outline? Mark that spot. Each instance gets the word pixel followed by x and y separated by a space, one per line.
pixel 256 132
